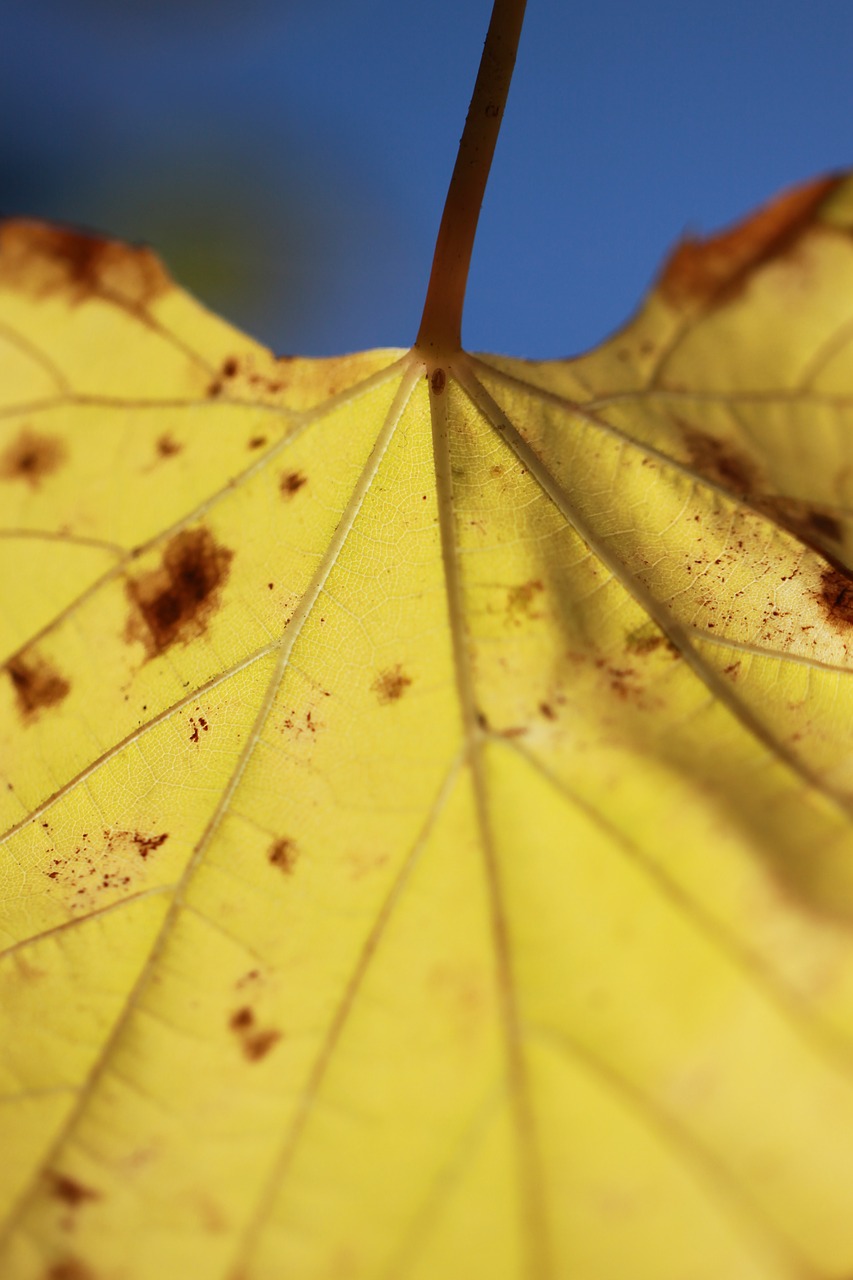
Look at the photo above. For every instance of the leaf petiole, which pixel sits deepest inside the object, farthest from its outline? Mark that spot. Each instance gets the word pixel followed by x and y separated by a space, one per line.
pixel 440 333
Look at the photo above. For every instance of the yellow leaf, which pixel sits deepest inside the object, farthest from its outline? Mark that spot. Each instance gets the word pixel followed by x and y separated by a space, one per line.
pixel 426 784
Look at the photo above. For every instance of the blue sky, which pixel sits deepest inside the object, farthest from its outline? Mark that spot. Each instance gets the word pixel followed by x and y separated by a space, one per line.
pixel 292 158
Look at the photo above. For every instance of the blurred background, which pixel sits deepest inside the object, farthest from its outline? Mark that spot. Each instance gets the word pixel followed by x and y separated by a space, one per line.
pixel 289 158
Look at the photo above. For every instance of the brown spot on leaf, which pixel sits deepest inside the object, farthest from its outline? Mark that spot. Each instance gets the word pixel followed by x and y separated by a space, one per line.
pixel 254 975
pixel 31 457
pixel 257 442
pixel 836 596
pixel 242 1019
pixel 255 1043
pixel 299 724
pixel 258 1044
pixel 825 526
pixel 391 684
pixel 719 461
pixel 175 601
pixel 197 727
pixel 291 482
pixel 712 271
pixel 644 644
pixel 83 874
pixel 622 679
pixel 520 599
pixel 814 527
pixel 70 1269
pixel 44 261
pixel 147 844
pixel 167 447
pixel 438 381
pixel 100 865
pixel 283 854
pixel 648 639
pixel 251 373
pixel 70 1191
pixel 628 683
pixel 37 684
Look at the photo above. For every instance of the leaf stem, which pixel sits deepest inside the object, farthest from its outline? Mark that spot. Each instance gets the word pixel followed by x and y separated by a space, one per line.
pixel 440 334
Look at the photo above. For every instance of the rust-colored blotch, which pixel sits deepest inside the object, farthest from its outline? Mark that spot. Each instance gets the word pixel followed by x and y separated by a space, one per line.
pixel 255 1042
pixel 37 684
pixel 32 456
pixel 175 601
pixel 391 684
pixel 167 446
pixel 70 1269
pixel 720 461
pixel 291 483
pixel 837 596
pixel 283 854
pixel 71 1192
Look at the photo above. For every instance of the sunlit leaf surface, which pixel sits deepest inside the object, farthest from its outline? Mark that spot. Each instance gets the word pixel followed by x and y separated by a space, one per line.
pixel 426 802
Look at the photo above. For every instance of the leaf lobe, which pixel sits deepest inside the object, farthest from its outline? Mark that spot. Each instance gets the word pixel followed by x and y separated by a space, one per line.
pixel 44 260
pixel 715 270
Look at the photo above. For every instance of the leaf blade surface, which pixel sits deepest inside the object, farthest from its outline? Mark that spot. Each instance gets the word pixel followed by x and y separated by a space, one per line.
pixel 427 807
